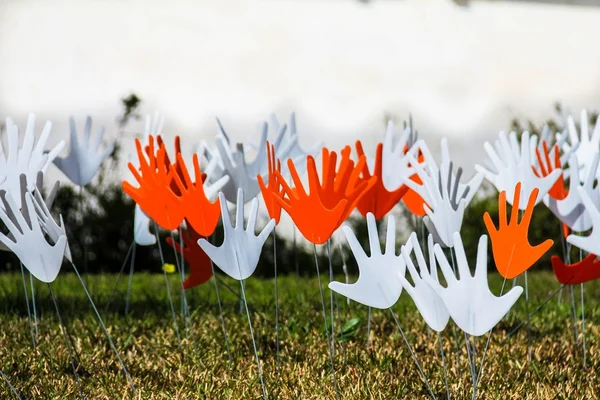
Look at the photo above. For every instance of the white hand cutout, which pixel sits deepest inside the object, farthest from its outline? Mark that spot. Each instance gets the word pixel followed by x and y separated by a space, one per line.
pixel 28 242
pixel 378 284
pixel 468 299
pixel 590 243
pixel 239 254
pixel 571 210
pixel 85 158
pixel 236 169
pixel 395 167
pixel 28 159
pixel 511 165
pixel 429 304
pixel 586 147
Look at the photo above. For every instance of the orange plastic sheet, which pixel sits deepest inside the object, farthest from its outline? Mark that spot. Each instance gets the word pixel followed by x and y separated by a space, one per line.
pixel 377 200
pixel 513 254
pixel 273 188
pixel 154 195
pixel 198 261
pixel 583 271
pixel 318 213
pixel 202 214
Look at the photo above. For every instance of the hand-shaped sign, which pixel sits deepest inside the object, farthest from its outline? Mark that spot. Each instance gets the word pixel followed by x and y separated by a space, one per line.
pixel 236 169
pixel 585 147
pixel 429 304
pixel 200 212
pixel 239 254
pixel 468 298
pixel 84 159
pixel 378 284
pixel 510 244
pixel 512 165
pixel 395 167
pixel 273 188
pixel 546 166
pixel 199 262
pixel 28 160
pixel 28 241
pixel 154 195
pixel 590 243
pixel 571 210
pixel 378 199
pixel 583 271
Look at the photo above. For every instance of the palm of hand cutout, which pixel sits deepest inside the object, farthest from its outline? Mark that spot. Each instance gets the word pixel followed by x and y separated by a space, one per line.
pixel 430 305
pixel 571 210
pixel 236 168
pixel 42 207
pixel 444 209
pixel 29 159
pixel 590 243
pixel 583 271
pixel 273 188
pixel 468 299
pixel 154 195
pixel 378 284
pixel 239 254
pixel 85 158
pixel 202 214
pixel 378 199
pixel 512 166
pixel 28 241
pixel 199 262
pixel 513 254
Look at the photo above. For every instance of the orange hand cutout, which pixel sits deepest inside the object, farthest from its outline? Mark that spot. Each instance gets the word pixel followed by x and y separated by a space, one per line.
pixel 202 214
pixel 345 183
pixel 313 219
pixel 512 252
pixel 583 271
pixel 199 262
pixel 378 200
pixel 168 165
pixel 154 196
pixel 558 190
pixel 274 186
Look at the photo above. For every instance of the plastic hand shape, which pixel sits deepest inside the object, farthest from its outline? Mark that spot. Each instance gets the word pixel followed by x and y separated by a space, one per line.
pixel 199 262
pixel 545 166
pixel 510 244
pixel 202 214
pixel 590 243
pixel 466 191
pixel 154 195
pixel 29 159
pixel 287 146
pixel 395 166
pixel 85 158
pixel 345 182
pixel 239 254
pixel 512 166
pixel 583 271
pixel 273 188
pixel 429 304
pixel 468 298
pixel 236 169
pixel 586 147
pixel 571 210
pixel 42 208
pixel 378 200
pixel 378 284
pixel 28 242
pixel 444 210
pixel 177 168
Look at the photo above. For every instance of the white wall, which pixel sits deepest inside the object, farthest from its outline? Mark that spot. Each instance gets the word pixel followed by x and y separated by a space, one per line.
pixel 462 72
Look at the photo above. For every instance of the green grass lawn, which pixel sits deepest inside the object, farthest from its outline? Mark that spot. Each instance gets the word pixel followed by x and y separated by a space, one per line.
pixel 162 367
